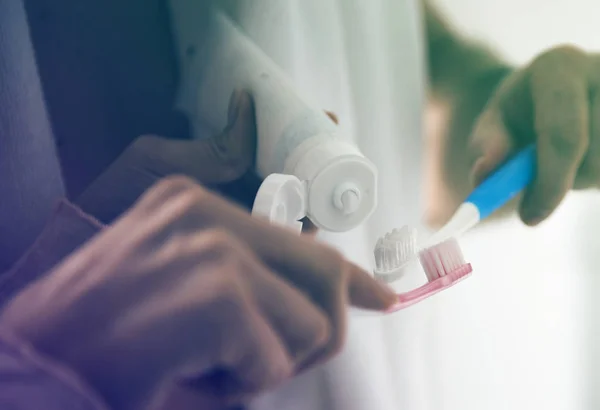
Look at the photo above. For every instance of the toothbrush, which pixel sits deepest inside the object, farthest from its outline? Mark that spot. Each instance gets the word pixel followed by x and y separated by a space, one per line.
pixel 442 259
pixel 444 265
pixel 493 193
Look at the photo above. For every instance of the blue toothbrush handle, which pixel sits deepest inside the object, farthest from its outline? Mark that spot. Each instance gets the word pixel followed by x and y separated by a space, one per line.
pixel 505 183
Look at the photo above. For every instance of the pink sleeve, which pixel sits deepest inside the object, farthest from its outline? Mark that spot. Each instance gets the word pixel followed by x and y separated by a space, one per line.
pixel 30 381
pixel 67 230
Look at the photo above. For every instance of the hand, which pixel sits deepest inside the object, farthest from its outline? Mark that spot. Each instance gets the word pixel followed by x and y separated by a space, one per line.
pixel 554 102
pixel 223 164
pixel 186 289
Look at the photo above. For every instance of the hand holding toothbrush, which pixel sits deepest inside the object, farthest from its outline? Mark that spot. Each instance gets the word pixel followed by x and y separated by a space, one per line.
pixel 553 103
pixel 540 131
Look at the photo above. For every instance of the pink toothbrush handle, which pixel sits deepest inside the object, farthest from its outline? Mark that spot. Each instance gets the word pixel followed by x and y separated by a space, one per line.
pixel 431 288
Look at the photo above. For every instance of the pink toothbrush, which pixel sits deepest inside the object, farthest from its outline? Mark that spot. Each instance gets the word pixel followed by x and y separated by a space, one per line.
pixel 442 259
pixel 443 263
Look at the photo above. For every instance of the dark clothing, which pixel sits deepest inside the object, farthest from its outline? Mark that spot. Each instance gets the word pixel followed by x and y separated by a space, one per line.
pixel 79 80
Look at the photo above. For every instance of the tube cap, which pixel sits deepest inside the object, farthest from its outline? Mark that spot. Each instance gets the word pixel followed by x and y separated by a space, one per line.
pixel 282 200
pixel 341 183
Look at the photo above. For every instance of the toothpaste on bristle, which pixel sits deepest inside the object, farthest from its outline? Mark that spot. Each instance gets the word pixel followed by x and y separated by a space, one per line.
pixel 441 259
pixel 395 249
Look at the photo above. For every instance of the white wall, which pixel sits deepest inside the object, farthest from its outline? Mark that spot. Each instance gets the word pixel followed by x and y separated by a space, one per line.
pixel 522 28
pixel 530 327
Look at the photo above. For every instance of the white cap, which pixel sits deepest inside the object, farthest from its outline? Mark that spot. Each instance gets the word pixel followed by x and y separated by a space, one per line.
pixel 282 200
pixel 329 181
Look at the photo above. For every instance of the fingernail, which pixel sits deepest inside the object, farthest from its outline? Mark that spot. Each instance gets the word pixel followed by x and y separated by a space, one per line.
pixel 379 298
pixel 389 296
pixel 532 215
pixel 537 218
pixel 531 220
pixel 234 106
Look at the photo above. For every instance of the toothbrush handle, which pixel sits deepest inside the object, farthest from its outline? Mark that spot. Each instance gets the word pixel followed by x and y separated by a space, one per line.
pixel 505 183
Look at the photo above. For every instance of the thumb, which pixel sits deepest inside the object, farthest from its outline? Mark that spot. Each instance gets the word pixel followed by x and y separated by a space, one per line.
pixel 220 159
pixel 235 147
pixel 233 152
pixel 489 145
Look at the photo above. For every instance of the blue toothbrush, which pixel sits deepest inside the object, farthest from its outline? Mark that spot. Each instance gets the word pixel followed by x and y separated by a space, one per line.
pixel 493 193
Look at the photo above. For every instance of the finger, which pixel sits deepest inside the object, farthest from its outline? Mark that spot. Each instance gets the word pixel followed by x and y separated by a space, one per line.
pixel 312 266
pixel 300 259
pixel 246 353
pixel 236 145
pixel 561 120
pixel 331 293
pixel 257 363
pixel 221 159
pixel 297 322
pixel 230 154
pixel 305 262
pixel 589 172
pixel 256 368
pixel 490 144
pixel 310 335
pixel 301 326
pixel 248 285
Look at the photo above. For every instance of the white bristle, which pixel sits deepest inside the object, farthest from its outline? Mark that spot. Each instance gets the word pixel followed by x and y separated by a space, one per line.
pixel 395 249
pixel 441 259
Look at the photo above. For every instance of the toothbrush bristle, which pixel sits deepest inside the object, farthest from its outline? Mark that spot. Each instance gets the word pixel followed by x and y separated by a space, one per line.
pixel 442 259
pixel 395 248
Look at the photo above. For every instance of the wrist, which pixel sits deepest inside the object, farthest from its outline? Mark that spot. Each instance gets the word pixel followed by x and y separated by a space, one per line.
pixel 120 382
pixel 81 370
pixel 118 187
pixel 67 229
pixel 108 368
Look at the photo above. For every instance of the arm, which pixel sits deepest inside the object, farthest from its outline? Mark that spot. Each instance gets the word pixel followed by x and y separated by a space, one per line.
pixel 462 77
pixel 456 64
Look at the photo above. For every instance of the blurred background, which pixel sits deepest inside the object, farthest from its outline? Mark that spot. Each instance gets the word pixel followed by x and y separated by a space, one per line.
pixel 525 331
